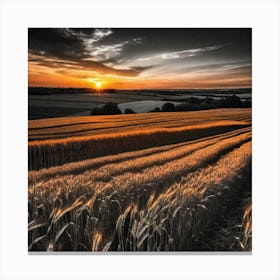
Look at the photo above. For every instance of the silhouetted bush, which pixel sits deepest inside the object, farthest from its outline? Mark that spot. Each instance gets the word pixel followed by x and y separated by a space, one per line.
pixel 108 109
pixel 209 100
pixel 205 106
pixel 168 107
pixel 247 104
pixel 129 111
pixel 96 111
pixel 184 107
pixel 233 101
pixel 156 110
pixel 111 109
pixel 193 100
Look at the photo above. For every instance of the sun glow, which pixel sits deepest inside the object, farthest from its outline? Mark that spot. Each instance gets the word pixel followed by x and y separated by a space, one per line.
pixel 98 85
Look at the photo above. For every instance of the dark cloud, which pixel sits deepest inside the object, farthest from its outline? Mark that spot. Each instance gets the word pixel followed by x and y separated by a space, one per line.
pixel 50 42
pixel 236 41
pixel 76 48
pixel 145 52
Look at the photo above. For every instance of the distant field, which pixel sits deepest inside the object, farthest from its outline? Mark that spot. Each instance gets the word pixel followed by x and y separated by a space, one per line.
pixel 65 104
pixel 54 105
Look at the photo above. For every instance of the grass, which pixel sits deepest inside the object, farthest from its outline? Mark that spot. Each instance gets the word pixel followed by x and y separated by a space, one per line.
pixel 245 237
pixel 156 155
pixel 155 200
pixel 55 128
pixel 47 153
pixel 145 182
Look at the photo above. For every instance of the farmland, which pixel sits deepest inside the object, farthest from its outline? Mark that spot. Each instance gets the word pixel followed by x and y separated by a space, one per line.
pixel 143 182
pixel 52 104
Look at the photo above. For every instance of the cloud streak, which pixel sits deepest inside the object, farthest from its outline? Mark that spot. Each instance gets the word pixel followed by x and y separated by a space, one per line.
pixel 180 54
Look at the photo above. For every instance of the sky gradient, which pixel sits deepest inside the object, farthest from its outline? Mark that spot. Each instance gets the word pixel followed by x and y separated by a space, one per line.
pixel 140 58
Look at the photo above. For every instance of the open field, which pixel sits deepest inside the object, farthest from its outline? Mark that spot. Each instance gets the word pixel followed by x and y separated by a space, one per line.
pixel 61 140
pixel 70 104
pixel 81 104
pixel 145 182
pixel 95 125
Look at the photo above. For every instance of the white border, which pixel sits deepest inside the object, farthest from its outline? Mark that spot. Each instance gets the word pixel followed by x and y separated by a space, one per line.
pixel 17 16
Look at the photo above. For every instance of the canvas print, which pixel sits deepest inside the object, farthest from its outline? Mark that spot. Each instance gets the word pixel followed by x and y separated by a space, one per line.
pixel 139 139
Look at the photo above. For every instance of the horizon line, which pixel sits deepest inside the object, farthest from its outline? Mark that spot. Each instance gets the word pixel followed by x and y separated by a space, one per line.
pixel 220 88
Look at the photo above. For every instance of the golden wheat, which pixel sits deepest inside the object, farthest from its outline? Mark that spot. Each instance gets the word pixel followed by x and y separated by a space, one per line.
pixel 165 207
pixel 48 153
pixel 164 151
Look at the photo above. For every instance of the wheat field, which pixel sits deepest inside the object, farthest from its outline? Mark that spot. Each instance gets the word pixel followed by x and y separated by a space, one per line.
pixel 145 182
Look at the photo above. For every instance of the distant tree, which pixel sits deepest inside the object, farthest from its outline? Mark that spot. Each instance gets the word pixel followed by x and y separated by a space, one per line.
pixel 185 107
pixel 111 109
pixel 108 109
pixel 204 106
pixel 232 101
pixel 96 111
pixel 218 103
pixel 156 110
pixel 209 100
pixel 129 111
pixel 168 107
pixel 194 100
pixel 247 104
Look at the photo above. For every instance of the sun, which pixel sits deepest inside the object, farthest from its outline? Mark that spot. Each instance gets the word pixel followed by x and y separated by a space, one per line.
pixel 98 85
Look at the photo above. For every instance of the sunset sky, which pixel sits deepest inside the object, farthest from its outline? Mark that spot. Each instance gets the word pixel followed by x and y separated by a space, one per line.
pixel 140 58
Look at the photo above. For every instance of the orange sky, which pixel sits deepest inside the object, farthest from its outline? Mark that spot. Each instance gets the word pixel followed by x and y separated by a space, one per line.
pixel 44 77
pixel 138 59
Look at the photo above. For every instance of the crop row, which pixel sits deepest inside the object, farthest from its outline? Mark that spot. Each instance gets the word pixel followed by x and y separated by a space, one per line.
pixel 62 128
pixel 155 155
pixel 167 206
pixel 147 171
pixel 43 154
pixel 220 114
